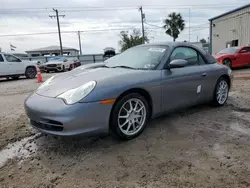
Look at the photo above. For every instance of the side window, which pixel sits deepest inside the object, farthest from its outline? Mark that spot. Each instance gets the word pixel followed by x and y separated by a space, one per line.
pixel 201 60
pixel 11 58
pixel 247 49
pixel 185 53
pixel 1 58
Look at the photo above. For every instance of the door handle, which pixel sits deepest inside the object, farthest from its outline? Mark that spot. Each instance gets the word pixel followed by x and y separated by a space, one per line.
pixel 204 74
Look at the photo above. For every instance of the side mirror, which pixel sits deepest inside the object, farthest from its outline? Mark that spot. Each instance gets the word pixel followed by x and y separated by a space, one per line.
pixel 178 63
pixel 243 51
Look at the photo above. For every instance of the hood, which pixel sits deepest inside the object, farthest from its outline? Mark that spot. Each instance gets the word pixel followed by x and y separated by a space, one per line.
pixel 53 62
pixel 77 77
pixel 219 56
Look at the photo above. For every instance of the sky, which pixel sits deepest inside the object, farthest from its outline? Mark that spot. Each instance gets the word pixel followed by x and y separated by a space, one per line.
pixel 101 21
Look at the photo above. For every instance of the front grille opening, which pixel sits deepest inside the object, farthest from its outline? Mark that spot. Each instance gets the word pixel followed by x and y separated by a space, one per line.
pixel 52 122
pixel 46 126
pixel 52 65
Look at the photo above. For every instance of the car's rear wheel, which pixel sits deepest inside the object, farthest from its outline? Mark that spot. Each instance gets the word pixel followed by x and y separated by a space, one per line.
pixel 30 72
pixel 15 77
pixel 221 92
pixel 129 116
pixel 227 62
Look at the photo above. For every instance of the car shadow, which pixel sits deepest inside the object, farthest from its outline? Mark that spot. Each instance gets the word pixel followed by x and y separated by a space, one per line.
pixel 74 145
pixel 11 80
pixel 241 68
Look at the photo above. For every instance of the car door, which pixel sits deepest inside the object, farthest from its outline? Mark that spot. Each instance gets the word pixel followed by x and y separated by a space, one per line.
pixel 207 80
pixel 244 54
pixel 4 68
pixel 15 64
pixel 181 87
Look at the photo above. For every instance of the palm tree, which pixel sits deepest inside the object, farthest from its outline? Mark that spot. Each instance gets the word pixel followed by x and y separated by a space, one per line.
pixel 128 40
pixel 174 24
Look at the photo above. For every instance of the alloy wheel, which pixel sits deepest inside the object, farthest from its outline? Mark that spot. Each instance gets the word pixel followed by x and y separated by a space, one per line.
pixel 222 92
pixel 31 72
pixel 132 116
pixel 227 62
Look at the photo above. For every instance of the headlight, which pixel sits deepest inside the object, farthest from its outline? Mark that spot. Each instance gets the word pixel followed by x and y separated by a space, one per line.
pixel 75 95
pixel 46 83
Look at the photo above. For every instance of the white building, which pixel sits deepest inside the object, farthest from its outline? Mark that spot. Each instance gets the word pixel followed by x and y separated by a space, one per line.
pixel 230 29
pixel 52 51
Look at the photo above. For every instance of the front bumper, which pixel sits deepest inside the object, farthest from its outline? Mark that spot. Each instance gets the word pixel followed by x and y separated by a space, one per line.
pixel 57 68
pixel 53 116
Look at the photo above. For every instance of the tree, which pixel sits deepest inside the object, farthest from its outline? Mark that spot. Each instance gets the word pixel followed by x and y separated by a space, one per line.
pixel 174 24
pixel 203 41
pixel 128 40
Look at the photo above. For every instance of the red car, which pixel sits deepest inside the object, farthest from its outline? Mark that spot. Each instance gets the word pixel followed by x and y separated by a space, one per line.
pixel 234 56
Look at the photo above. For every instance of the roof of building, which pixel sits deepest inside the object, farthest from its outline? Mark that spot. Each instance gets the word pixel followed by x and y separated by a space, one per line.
pixel 51 48
pixel 229 12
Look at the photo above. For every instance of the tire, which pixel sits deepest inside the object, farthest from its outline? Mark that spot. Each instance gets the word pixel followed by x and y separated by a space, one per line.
pixel 15 77
pixel 63 70
pixel 118 126
pixel 70 67
pixel 30 72
pixel 227 62
pixel 219 91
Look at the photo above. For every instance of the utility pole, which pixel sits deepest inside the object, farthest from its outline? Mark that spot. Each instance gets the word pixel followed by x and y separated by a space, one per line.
pixel 58 26
pixel 189 26
pixel 80 45
pixel 142 24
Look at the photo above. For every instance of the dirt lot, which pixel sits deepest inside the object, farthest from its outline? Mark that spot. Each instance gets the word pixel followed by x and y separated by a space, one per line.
pixel 199 147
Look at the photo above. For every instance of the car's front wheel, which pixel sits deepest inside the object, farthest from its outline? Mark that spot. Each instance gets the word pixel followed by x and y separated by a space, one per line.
pixel 227 62
pixel 129 116
pixel 30 72
pixel 221 92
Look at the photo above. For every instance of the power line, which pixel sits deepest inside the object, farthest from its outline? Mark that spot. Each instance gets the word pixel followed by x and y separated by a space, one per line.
pixel 89 31
pixel 86 31
pixel 95 30
pixel 118 8
pixel 195 26
pixel 131 6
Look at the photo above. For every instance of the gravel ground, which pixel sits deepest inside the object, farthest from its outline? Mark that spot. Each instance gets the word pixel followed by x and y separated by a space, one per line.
pixel 198 147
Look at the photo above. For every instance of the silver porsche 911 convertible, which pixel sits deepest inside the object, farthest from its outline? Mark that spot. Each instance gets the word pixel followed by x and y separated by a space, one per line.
pixel 122 94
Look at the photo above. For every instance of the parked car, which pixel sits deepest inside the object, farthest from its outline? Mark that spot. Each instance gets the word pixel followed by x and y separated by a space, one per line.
pixel 234 56
pixel 108 53
pixel 61 64
pixel 122 94
pixel 13 67
pixel 75 63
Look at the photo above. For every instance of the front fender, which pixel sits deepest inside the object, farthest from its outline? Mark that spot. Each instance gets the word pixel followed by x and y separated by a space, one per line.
pixel 112 89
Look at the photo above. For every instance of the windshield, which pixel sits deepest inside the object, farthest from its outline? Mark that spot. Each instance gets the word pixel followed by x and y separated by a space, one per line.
pixel 231 50
pixel 57 59
pixel 143 57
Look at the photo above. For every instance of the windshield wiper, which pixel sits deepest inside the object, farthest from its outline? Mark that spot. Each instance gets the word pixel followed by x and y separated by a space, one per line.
pixel 122 66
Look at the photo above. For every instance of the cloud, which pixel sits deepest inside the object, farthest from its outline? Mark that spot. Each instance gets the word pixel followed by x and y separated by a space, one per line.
pixel 79 17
